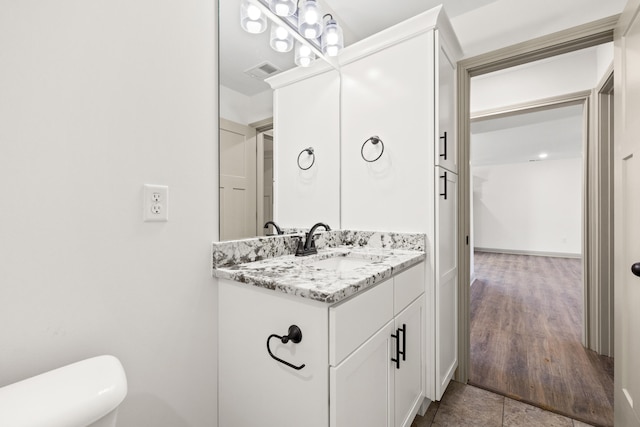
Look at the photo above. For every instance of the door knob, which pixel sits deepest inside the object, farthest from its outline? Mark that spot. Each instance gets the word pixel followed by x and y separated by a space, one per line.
pixel 635 269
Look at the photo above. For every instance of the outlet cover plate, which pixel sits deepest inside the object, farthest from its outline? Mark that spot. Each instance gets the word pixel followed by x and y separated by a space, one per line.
pixel 155 203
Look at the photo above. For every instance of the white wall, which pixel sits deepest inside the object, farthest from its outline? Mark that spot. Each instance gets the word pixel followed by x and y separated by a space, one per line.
pixel 530 207
pixel 98 98
pixel 604 60
pixel 560 75
pixel 503 23
pixel 244 109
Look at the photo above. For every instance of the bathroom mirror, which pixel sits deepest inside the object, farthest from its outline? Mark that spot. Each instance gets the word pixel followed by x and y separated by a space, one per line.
pixel 246 125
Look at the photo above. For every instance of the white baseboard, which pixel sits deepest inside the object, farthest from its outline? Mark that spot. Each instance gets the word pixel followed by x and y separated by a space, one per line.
pixel 524 252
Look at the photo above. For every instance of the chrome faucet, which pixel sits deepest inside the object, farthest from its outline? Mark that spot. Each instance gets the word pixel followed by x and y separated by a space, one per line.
pixel 309 246
pixel 278 230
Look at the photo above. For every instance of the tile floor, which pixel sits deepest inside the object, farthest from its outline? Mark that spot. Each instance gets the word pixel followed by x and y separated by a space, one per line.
pixel 465 405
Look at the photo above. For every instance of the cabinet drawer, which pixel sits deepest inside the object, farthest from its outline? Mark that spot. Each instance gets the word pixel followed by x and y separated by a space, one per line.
pixel 354 321
pixel 408 286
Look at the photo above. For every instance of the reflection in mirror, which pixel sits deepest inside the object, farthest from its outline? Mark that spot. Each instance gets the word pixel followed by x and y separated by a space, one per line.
pixel 246 138
pixel 246 112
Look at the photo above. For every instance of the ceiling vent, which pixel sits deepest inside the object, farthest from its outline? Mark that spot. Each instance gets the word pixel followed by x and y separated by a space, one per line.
pixel 262 70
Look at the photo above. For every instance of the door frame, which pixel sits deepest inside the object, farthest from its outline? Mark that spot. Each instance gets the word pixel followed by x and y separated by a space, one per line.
pixel 583 36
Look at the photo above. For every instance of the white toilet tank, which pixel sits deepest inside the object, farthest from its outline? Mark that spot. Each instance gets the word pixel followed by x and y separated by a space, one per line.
pixel 85 393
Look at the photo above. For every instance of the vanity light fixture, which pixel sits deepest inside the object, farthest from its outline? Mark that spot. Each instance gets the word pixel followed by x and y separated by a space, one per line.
pixel 283 7
pixel 303 55
pixel 281 39
pixel 332 38
pixel 543 155
pixel 313 37
pixel 309 19
pixel 252 19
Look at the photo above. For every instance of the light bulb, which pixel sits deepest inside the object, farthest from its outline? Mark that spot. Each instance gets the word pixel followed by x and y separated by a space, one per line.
pixel 332 37
pixel 283 7
pixel 332 50
pixel 254 27
pixel 252 19
pixel 303 55
pixel 311 33
pixel 253 12
pixel 309 22
pixel 311 16
pixel 305 50
pixel 281 33
pixel 281 40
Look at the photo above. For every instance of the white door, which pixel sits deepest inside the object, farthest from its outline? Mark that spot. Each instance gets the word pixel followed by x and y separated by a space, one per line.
pixel 237 181
pixel 627 216
pixel 362 385
pixel 264 185
pixel 409 377
pixel 446 276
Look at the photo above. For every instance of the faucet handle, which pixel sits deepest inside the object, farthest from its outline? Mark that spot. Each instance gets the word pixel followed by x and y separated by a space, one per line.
pixel 300 249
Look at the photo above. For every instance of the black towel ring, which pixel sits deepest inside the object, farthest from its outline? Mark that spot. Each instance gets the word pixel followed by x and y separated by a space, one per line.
pixel 374 140
pixel 310 152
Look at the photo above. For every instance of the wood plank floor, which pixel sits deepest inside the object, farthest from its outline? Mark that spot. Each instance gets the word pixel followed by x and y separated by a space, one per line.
pixel 526 323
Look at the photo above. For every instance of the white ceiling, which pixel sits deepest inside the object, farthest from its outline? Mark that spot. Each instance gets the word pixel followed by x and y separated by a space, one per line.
pixel 522 137
pixel 481 26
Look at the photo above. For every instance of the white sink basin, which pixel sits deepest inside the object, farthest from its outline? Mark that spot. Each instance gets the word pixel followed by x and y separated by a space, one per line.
pixel 340 263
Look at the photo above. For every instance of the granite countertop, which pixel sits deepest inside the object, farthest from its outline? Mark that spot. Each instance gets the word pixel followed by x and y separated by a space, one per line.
pixel 300 277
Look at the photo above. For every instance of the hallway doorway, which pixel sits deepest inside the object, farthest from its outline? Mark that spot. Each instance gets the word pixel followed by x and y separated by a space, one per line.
pixel 527 325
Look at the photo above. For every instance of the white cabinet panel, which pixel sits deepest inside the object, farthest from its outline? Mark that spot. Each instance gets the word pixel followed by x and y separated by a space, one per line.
pixel 409 377
pixel 446 284
pixel 384 95
pixel 307 114
pixel 362 385
pixel 408 285
pixel 255 389
pixel 445 146
pixel 357 319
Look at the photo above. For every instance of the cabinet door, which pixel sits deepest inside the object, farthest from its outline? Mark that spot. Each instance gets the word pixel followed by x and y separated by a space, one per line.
pixel 445 155
pixel 446 275
pixel 318 126
pixel 255 389
pixel 390 94
pixel 362 385
pixel 409 376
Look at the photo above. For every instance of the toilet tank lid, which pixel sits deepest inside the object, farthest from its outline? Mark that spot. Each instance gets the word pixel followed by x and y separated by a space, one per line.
pixel 74 395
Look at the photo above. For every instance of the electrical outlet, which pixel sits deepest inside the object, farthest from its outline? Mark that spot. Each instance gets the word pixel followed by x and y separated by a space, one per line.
pixel 155 203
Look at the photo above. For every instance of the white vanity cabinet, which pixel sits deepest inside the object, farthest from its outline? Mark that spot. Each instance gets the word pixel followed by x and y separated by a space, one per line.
pixel 381 381
pixel 348 378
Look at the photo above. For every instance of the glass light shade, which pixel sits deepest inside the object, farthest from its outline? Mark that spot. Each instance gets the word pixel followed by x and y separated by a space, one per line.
pixel 252 19
pixel 281 39
pixel 283 7
pixel 332 39
pixel 303 55
pixel 310 19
